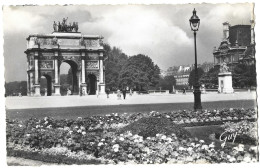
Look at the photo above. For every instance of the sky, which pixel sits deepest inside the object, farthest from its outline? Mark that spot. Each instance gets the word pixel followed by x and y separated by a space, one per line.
pixel 161 32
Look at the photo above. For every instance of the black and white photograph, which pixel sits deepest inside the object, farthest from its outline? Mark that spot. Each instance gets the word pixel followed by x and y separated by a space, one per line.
pixel 130 84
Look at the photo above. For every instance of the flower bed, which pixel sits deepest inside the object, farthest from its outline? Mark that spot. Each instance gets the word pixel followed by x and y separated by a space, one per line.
pixel 114 139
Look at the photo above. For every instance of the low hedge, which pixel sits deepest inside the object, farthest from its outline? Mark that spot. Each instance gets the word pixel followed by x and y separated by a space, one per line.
pixel 150 126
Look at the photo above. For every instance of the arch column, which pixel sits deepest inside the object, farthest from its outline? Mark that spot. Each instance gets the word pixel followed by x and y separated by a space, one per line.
pixel 56 75
pixel 36 75
pixel 101 74
pixel 83 85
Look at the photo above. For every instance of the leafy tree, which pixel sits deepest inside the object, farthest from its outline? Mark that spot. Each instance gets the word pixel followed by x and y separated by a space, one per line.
pixel 115 59
pixel 167 82
pixel 210 79
pixel 244 76
pixel 192 76
pixel 139 72
pixel 13 88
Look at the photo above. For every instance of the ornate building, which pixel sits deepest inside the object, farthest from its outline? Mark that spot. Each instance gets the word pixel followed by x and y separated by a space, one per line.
pixel 237 45
pixel 84 53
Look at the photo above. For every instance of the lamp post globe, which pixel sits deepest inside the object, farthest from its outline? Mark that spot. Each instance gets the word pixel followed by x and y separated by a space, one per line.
pixel 194 24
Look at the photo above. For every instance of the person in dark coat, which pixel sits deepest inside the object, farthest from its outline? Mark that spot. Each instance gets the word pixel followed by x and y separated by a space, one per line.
pixel 124 93
pixel 107 92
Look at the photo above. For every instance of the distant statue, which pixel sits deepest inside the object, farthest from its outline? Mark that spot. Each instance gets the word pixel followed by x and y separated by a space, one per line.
pixel 64 26
pixel 55 26
pixel 81 41
pixel 36 41
pixel 224 68
pixel 55 41
pixel 76 27
pixel 59 27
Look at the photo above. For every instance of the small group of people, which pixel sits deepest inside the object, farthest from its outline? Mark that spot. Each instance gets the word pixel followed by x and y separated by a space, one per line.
pixel 120 93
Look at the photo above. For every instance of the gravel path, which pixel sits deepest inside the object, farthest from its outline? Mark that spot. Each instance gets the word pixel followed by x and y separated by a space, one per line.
pixel 84 111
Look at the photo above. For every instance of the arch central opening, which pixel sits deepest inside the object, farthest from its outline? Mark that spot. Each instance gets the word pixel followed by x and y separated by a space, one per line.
pixel 68 78
pixel 45 85
pixel 92 84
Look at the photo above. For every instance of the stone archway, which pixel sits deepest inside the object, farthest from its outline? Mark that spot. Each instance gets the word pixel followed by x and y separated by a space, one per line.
pixel 84 53
pixel 48 88
pixel 73 75
pixel 92 84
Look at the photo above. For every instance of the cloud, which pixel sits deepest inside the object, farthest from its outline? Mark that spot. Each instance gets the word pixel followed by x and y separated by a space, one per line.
pixel 16 21
pixel 140 30
pixel 160 31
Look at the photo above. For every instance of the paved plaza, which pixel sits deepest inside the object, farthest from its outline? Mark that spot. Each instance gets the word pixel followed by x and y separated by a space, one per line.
pixel 102 100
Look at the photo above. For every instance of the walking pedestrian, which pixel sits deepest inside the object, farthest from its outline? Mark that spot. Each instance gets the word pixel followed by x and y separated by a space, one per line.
pixel 97 92
pixel 184 91
pixel 130 92
pixel 107 92
pixel 124 92
pixel 118 94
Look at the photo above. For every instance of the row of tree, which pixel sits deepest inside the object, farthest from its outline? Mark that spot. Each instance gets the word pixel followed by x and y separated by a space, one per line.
pixel 137 72
pixel 243 76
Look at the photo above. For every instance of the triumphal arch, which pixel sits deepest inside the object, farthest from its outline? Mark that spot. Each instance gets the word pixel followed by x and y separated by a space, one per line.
pixel 84 53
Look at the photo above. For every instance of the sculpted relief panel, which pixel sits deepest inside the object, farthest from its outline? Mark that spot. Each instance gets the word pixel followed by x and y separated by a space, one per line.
pixel 92 65
pixel 92 43
pixel 46 64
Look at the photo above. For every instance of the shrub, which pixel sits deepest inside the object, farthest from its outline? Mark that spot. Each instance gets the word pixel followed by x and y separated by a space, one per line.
pixel 150 126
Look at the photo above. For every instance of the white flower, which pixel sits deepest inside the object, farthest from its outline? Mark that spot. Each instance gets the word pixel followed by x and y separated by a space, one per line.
pixel 121 139
pixel 241 147
pixel 253 148
pixel 102 140
pixel 212 145
pixel 148 138
pixel 45 118
pixel 70 132
pixel 135 136
pixel 84 133
pixel 80 118
pixel 116 114
pixel 82 128
pixel 49 126
pixel 37 126
pixel 232 159
pixel 189 149
pixel 46 122
pixel 206 147
pixel 181 148
pixel 28 135
pixel 192 144
pixel 116 146
pixel 100 144
pixel 163 137
pixel 167 116
pixel 79 131
pixel 201 141
pixel 76 127
pixel 169 139
pixel 247 159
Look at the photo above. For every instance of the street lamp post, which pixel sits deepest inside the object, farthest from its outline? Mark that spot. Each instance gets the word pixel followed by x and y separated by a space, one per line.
pixel 194 24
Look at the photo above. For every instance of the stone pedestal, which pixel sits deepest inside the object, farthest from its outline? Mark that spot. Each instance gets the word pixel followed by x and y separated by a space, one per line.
pixel 37 90
pixel 56 90
pixel 102 88
pixel 225 82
